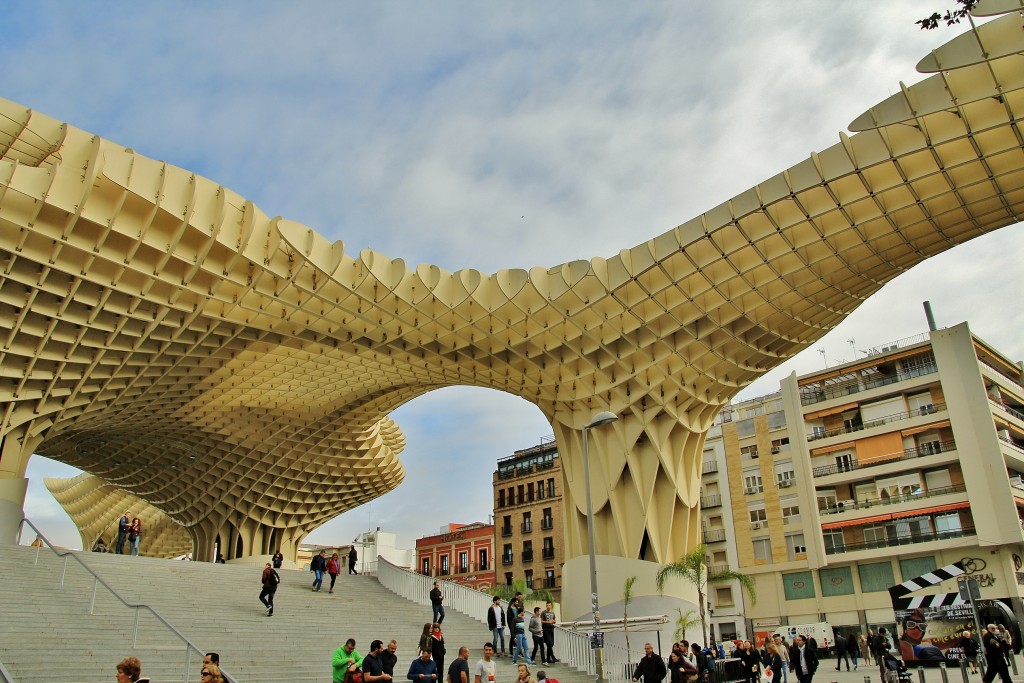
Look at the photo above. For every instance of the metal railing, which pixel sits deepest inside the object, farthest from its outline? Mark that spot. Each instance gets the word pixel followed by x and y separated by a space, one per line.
pixel 908 454
pixel 929 409
pixel 138 608
pixel 573 647
pixel 893 500
pixel 810 395
pixel 905 539
pixel 5 675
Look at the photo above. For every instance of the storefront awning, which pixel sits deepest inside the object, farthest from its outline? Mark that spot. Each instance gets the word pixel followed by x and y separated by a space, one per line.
pixel 825 412
pixel 829 449
pixel 925 428
pixel 919 512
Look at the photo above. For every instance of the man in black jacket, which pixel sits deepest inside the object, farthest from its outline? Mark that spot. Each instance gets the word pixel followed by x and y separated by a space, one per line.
pixel 496 622
pixel 995 655
pixel 436 598
pixel 803 660
pixel 651 668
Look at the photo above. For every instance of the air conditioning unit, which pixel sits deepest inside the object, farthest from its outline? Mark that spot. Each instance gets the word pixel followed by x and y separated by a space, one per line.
pixel 775 449
pixel 927 409
pixel 756 525
pixel 1004 435
pixel 1017 481
pixel 785 483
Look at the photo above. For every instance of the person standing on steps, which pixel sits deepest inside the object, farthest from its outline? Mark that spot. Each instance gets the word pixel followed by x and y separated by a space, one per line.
pixel 485 668
pixel 345 660
pixel 388 658
pixel 135 536
pixel 547 622
pixel 458 670
pixel 496 622
pixel 423 669
pixel 277 559
pixel 123 525
pixel 352 557
pixel 435 603
pixel 333 569
pixel 318 565
pixel 373 665
pixel 437 648
pixel 270 579
pixel 537 634
pixel 129 670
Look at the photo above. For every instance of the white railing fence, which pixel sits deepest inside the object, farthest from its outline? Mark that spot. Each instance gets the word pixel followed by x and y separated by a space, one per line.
pixel 571 647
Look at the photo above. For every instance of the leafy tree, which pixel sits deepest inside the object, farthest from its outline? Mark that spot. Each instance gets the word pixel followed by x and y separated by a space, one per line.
pixel 951 17
pixel 693 568
pixel 627 597
pixel 506 593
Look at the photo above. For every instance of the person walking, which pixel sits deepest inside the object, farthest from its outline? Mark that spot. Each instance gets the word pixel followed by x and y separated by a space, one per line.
pixel 995 655
pixel 318 565
pixel 841 652
pixel 803 661
pixel 782 648
pixel 270 580
pixel 496 622
pixel 277 559
pixel 969 646
pixel 853 647
pixel 436 598
pixel 537 634
pixel 352 557
pixel 458 670
pixel 751 662
pixel 651 667
pixel 520 626
pixel 333 569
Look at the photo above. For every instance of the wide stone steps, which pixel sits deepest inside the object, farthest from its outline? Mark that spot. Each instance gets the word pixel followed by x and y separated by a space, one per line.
pixel 48 634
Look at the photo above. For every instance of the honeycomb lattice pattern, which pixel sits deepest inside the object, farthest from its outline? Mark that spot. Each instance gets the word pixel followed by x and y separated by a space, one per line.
pixel 237 371
pixel 96 508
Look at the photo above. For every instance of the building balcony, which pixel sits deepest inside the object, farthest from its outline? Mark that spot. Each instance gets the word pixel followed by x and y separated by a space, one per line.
pixel 930 448
pixel 482 566
pixel 709 466
pixel 464 569
pixel 527 556
pixel 506 531
pixel 549 582
pixel 929 409
pixel 507 560
pixel 443 571
pixel 846 506
pixel 811 395
pixel 714 535
pixel 897 540
pixel 711 501
pixel 526 527
pixel 547 553
pixel 547 523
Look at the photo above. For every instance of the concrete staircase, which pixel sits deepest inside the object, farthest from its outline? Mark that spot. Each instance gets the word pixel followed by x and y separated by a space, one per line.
pixel 48 634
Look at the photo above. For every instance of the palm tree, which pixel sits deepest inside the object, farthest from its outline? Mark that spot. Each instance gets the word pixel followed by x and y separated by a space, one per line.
pixel 693 568
pixel 627 597
pixel 684 622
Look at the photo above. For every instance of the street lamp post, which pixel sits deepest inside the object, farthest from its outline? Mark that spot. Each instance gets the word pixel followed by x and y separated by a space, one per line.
pixel 601 418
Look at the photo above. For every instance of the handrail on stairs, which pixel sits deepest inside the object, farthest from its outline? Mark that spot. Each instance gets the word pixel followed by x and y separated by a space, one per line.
pixel 97 581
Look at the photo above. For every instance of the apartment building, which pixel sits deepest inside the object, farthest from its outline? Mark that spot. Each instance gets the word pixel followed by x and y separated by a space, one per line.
pixel 877 471
pixel 528 518
pixel 463 553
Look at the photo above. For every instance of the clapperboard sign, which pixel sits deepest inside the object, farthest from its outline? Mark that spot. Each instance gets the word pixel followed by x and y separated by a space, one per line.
pixel 899 592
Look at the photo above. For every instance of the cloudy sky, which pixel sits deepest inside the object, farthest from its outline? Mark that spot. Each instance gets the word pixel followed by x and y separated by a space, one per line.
pixel 493 135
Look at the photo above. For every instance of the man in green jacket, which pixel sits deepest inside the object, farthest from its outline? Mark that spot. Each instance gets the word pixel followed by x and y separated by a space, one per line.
pixel 345 659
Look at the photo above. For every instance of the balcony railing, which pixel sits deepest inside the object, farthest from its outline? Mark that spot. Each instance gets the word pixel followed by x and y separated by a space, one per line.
pixel 548 553
pixel 549 582
pixel 526 527
pixel 506 531
pixel 709 466
pixel 547 523
pixel 443 571
pixel 714 535
pixel 711 501
pixel 906 539
pixel 808 396
pixel 894 500
pixel 527 556
pixel 929 448
pixel 507 559
pixel 849 429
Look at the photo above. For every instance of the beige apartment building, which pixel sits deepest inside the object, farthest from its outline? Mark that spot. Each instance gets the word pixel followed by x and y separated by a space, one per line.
pixel 864 475
pixel 528 525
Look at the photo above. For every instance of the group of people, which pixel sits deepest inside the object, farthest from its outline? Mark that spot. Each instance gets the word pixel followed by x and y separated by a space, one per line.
pixel 378 665
pixel 129 670
pixel 693 663
pixel 540 624
pixel 320 565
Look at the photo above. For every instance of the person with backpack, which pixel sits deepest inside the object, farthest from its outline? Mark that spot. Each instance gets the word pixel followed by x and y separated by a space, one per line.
pixel 701 661
pixel 271 580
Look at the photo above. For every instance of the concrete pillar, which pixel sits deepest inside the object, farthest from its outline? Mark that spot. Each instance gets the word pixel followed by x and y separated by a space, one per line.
pixel 12 506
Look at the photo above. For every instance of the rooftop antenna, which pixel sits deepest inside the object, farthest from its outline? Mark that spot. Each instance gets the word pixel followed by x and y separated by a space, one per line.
pixel 822 352
pixel 853 346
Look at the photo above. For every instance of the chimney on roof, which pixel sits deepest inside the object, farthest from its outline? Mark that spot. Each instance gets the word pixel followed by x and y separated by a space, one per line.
pixel 929 316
